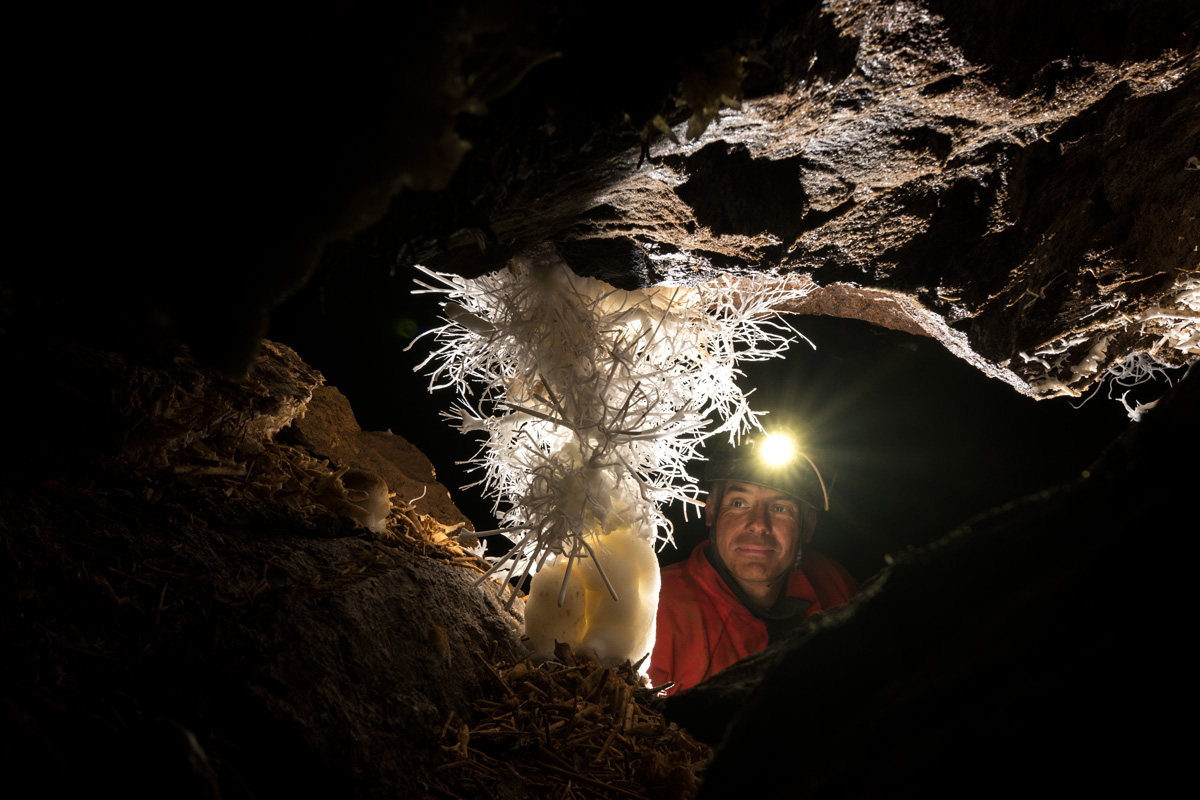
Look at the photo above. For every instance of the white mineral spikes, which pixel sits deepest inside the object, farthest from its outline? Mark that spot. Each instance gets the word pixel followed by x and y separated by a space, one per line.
pixel 593 401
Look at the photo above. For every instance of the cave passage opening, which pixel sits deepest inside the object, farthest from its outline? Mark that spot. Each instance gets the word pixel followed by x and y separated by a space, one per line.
pixel 920 440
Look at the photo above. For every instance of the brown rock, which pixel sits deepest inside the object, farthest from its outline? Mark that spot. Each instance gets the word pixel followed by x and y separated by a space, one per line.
pixel 329 429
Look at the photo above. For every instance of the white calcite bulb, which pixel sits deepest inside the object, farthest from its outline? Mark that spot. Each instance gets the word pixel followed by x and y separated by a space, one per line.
pixel 589 617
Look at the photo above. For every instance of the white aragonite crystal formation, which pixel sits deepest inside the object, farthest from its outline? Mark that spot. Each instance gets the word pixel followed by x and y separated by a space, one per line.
pixel 593 400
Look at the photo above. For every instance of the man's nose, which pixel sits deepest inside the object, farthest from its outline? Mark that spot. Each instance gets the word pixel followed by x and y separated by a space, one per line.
pixel 756 520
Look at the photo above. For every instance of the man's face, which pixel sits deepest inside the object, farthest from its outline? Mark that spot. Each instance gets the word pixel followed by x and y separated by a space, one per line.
pixel 758 531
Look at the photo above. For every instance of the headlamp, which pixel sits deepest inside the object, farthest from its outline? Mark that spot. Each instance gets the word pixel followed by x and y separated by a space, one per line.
pixel 777 449
pixel 773 460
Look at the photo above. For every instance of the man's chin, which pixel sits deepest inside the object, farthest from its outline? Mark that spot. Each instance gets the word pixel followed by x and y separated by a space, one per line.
pixel 755 570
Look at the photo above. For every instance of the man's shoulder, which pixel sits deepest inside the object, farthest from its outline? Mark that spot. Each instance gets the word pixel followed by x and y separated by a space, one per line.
pixel 817 561
pixel 833 582
pixel 677 575
pixel 691 580
pixel 689 569
pixel 672 569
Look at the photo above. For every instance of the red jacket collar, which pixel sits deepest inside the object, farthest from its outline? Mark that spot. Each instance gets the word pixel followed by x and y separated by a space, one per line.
pixel 701 571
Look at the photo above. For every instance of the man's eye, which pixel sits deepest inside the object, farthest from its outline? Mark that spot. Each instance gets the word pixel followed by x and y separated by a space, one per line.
pixel 783 508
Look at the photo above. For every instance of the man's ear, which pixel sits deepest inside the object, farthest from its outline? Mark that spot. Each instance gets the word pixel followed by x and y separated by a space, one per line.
pixel 808 527
pixel 710 514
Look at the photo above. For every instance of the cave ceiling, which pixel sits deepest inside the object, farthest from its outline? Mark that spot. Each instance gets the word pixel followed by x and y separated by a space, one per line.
pixel 1017 181
pixel 1033 208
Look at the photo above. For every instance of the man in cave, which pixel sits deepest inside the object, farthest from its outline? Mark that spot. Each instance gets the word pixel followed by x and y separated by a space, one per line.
pixel 756 577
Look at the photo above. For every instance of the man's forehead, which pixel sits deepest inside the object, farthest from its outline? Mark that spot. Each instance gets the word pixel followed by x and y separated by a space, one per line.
pixel 745 487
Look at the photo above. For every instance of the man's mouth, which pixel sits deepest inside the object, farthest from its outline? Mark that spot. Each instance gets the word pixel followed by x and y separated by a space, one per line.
pixel 754 550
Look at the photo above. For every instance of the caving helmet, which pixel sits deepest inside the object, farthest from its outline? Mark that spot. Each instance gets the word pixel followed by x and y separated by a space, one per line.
pixel 774 460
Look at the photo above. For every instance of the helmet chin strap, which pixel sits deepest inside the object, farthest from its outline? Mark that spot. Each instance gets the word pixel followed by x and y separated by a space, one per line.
pixel 785 607
pixel 824 489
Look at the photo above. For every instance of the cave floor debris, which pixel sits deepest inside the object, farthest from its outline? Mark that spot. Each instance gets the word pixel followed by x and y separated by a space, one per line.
pixel 568 728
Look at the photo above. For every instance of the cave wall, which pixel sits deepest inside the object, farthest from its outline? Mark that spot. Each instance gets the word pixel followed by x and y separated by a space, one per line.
pixel 194 606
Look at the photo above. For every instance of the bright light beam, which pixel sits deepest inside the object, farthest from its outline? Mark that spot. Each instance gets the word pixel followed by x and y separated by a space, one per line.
pixel 778 449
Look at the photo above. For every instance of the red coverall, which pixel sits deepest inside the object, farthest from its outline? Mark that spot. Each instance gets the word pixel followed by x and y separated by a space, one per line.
pixel 703 628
